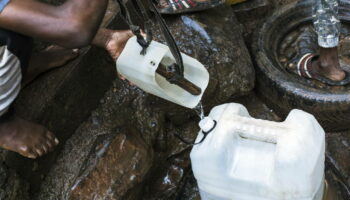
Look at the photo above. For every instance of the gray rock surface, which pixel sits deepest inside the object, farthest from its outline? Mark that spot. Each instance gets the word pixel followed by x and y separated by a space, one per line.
pixel 117 164
pixel 12 187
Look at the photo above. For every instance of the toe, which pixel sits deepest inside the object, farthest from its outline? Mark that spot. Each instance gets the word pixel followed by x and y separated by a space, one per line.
pixel 50 135
pixel 45 149
pixel 52 140
pixel 49 145
pixel 74 53
pixel 26 152
pixel 39 151
pixel 31 154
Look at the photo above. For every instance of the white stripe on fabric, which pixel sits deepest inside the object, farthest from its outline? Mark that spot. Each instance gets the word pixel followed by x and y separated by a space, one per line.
pixel 301 59
pixel 185 4
pixel 10 78
pixel 172 4
pixel 306 68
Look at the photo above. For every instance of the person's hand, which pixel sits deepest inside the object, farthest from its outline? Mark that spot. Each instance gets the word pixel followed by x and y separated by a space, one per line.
pixel 117 42
pixel 112 40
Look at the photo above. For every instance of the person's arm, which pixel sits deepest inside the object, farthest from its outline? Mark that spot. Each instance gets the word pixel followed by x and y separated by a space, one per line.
pixel 71 25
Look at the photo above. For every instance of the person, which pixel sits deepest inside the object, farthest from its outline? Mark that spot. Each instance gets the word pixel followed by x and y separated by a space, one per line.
pixel 71 25
pixel 324 67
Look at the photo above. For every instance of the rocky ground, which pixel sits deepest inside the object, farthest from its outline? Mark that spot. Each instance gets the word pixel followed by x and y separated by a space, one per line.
pixel 118 142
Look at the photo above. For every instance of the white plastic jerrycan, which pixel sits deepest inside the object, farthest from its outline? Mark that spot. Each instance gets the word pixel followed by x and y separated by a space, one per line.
pixel 244 158
pixel 141 71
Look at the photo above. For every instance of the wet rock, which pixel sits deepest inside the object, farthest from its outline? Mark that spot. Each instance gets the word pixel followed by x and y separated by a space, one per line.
pixel 188 132
pixel 116 112
pixel 252 10
pixel 149 121
pixel 12 187
pixel 251 14
pixel 113 168
pixel 167 175
pixel 167 178
pixel 279 3
pixel 215 38
pixel 336 190
pixel 338 147
pixel 257 108
pixel 190 190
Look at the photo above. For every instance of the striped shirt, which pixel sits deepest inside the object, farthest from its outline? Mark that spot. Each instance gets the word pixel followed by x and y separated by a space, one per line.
pixel 15 51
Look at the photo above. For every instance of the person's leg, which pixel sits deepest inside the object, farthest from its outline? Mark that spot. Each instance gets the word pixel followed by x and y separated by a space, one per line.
pixel 52 57
pixel 327 26
pixel 28 139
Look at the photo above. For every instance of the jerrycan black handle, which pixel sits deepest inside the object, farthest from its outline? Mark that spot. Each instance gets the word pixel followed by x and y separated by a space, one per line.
pixel 125 14
pixel 174 49
pixel 179 68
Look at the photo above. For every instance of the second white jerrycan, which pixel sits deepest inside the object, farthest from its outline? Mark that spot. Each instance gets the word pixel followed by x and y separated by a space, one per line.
pixel 141 71
pixel 243 158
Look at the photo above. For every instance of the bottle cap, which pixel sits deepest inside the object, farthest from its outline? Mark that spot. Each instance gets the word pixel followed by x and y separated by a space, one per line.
pixel 206 124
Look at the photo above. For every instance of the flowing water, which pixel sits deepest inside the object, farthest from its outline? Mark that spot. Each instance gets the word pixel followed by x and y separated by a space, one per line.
pixel 199 110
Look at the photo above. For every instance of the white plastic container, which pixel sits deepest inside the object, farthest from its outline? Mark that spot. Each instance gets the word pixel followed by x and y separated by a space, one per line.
pixel 251 159
pixel 141 71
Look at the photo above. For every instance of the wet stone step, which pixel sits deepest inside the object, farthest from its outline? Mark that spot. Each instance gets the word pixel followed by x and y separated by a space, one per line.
pixel 116 164
pixel 108 149
pixel 12 187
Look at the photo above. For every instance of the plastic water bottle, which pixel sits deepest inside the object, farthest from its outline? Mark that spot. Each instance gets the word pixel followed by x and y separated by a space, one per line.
pixel 244 158
pixel 141 71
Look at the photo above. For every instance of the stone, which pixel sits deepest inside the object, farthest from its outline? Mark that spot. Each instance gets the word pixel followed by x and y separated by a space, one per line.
pixel 167 177
pixel 279 3
pixel 214 38
pixel 12 187
pixel 338 148
pixel 106 122
pixel 190 189
pixel 251 14
pixel 246 9
pixel 257 108
pixel 112 169
pixel 149 120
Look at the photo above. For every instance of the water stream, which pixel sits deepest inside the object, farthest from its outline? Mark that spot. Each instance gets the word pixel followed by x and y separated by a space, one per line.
pixel 199 110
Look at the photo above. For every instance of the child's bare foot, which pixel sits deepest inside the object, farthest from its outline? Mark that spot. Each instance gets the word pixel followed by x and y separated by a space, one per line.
pixel 52 57
pixel 26 138
pixel 328 65
pixel 323 67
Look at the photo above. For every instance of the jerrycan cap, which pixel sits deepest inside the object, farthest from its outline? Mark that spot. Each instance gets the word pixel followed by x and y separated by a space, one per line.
pixel 207 124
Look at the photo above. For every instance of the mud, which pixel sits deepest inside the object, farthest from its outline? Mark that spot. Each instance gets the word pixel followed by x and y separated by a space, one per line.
pixel 303 40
